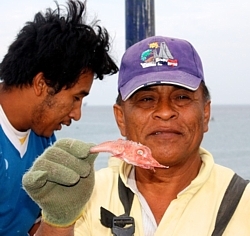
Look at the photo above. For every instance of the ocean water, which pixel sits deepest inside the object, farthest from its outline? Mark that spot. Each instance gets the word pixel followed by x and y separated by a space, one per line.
pixel 228 138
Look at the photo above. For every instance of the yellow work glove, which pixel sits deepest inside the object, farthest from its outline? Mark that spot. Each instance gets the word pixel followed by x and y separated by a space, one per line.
pixel 61 181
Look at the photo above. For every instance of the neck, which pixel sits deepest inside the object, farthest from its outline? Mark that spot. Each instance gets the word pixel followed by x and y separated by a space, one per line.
pixel 176 177
pixel 16 104
pixel 165 184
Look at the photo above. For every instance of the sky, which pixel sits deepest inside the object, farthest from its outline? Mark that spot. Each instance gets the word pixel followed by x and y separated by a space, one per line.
pixel 218 29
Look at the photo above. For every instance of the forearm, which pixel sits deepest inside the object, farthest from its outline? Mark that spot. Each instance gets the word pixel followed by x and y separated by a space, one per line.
pixel 45 230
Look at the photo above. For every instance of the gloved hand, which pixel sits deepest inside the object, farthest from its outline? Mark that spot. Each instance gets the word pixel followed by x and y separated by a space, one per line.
pixel 61 181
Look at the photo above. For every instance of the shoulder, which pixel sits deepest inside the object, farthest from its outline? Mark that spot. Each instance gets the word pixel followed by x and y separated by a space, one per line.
pixel 106 183
pixel 240 221
pixel 246 194
pixel 106 178
pixel 111 172
pixel 105 194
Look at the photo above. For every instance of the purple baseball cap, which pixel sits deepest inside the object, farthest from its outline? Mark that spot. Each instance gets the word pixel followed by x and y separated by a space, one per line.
pixel 159 60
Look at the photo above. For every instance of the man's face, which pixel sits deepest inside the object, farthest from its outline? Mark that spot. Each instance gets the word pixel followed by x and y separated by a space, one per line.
pixel 59 109
pixel 170 120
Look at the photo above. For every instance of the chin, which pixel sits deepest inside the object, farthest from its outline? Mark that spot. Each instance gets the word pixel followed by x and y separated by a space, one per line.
pixel 47 135
pixel 43 134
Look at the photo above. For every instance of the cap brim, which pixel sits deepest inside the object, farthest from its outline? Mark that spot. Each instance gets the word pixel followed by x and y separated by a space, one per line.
pixel 176 77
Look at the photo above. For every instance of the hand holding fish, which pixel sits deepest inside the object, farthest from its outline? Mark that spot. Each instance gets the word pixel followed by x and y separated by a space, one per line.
pixel 129 151
pixel 61 181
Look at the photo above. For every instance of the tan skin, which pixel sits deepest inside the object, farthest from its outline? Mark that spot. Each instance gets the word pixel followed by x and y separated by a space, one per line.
pixel 42 112
pixel 47 230
pixel 171 121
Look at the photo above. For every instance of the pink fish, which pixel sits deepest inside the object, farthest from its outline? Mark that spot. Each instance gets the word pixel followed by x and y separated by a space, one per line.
pixel 129 151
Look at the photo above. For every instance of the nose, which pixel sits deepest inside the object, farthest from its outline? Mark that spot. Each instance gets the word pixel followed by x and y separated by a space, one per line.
pixel 76 112
pixel 165 111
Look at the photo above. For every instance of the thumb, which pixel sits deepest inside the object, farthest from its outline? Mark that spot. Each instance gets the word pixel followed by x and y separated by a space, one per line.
pixel 34 180
pixel 75 147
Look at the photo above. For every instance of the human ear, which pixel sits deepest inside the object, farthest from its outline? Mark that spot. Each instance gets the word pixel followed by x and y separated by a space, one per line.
pixel 39 84
pixel 207 110
pixel 119 117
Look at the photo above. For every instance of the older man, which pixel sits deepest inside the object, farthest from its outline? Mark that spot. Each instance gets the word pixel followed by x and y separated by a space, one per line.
pixel 163 103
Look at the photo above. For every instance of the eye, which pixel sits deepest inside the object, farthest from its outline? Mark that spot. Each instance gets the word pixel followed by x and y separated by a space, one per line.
pixel 77 98
pixel 181 100
pixel 146 99
pixel 140 152
pixel 146 102
pixel 182 97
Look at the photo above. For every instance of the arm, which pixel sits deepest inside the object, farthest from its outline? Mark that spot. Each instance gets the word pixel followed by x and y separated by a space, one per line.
pixel 34 229
pixel 46 229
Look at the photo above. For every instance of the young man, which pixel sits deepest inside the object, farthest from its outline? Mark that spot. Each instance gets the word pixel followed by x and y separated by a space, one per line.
pixel 164 104
pixel 45 75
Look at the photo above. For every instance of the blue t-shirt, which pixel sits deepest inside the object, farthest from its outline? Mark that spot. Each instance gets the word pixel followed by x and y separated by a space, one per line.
pixel 18 211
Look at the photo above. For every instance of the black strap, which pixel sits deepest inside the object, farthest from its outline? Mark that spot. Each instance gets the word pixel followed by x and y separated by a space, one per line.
pixel 122 225
pixel 229 203
pixel 119 225
pixel 107 218
pixel 126 196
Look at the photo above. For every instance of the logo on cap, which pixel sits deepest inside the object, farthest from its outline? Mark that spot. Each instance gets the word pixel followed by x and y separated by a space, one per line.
pixel 158 55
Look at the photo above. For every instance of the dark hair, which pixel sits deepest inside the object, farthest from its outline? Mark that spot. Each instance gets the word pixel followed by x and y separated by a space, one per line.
pixel 206 94
pixel 62 46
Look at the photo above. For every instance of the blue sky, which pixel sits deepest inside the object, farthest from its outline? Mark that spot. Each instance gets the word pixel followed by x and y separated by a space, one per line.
pixel 219 30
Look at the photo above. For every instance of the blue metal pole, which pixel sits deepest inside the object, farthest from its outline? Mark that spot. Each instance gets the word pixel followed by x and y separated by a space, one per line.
pixel 140 20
